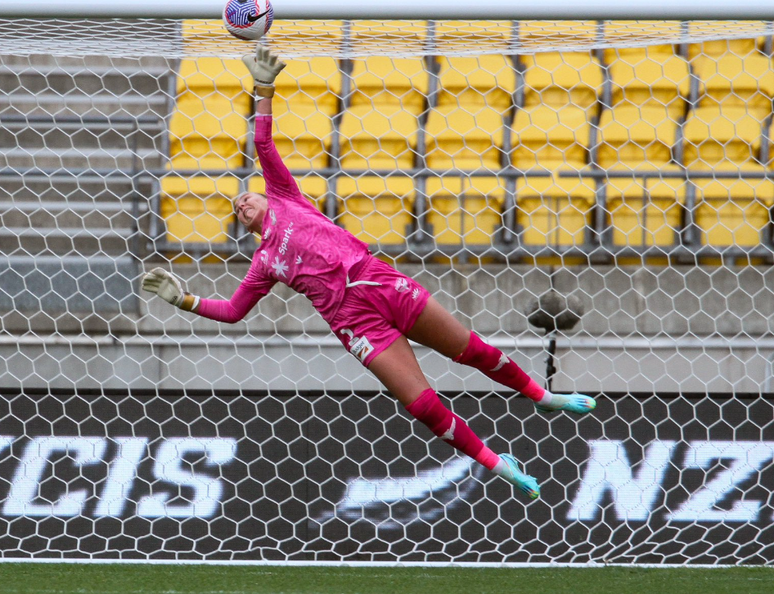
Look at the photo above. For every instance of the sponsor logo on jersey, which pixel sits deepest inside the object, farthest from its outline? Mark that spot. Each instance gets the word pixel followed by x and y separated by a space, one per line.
pixel 279 266
pixel 415 294
pixel 285 239
pixel 359 346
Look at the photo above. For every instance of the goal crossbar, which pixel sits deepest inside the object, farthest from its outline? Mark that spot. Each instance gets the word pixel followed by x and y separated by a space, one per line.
pixel 404 9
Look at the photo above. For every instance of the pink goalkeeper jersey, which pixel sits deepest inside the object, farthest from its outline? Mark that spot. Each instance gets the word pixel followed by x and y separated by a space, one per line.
pixel 300 246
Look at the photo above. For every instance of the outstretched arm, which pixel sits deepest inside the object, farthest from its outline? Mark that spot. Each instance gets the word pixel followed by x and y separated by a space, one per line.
pixel 265 67
pixel 169 288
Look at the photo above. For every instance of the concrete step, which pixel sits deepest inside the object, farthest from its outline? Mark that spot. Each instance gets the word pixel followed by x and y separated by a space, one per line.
pixel 54 215
pixel 49 104
pixel 88 190
pixel 26 241
pixel 97 286
pixel 74 135
pixel 96 63
pixel 77 159
pixel 91 81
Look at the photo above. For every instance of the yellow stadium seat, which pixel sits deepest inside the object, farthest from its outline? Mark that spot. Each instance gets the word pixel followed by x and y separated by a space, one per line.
pixel 202 118
pixel 315 36
pixel 392 81
pixel 651 79
pixel 194 28
pixel 543 33
pixel 460 139
pixel 465 210
pixel 209 125
pixel 312 186
pixel 406 36
pixel 315 81
pixel 635 138
pixel 545 138
pixel 742 81
pixel 562 78
pixel 621 32
pixel 472 82
pixel 739 37
pixel 379 137
pixel 198 209
pixel 201 139
pixel 645 212
pixel 227 78
pixel 489 35
pixel 376 209
pixel 733 211
pixel 302 135
pixel 721 138
pixel 554 210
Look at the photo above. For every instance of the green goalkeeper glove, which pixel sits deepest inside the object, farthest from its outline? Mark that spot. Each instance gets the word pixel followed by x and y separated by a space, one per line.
pixel 264 66
pixel 168 287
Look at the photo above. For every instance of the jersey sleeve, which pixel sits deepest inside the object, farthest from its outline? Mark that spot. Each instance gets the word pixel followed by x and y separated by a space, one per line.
pixel 252 288
pixel 278 180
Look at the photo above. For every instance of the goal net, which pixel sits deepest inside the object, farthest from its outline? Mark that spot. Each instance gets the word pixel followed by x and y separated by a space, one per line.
pixel 625 166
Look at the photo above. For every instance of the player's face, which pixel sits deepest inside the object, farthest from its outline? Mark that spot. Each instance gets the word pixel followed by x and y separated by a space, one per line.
pixel 250 209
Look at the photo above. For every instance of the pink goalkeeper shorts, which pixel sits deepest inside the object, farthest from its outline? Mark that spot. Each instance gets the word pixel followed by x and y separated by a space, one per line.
pixel 379 305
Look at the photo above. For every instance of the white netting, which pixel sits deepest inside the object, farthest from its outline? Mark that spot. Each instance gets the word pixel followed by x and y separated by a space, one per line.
pixel 625 164
pixel 305 38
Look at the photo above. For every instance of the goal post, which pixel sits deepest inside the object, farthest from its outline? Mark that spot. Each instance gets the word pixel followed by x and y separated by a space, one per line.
pixel 621 165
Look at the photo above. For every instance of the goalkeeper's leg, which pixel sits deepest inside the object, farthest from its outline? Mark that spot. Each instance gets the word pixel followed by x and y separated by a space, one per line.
pixel 441 331
pixel 399 371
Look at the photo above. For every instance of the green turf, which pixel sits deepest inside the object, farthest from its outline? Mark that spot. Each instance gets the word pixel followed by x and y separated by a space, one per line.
pixel 17 578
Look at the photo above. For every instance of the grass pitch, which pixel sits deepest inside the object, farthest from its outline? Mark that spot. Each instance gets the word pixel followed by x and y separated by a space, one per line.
pixel 27 578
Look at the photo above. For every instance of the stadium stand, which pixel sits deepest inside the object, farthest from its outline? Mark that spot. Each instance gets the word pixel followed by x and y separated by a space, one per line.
pixel 573 123
pixel 209 126
pixel 465 210
pixel 379 130
pixel 75 133
pixel 378 209
pixel 465 129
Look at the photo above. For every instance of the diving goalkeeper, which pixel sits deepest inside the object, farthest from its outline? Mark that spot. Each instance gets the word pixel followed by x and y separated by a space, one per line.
pixel 372 308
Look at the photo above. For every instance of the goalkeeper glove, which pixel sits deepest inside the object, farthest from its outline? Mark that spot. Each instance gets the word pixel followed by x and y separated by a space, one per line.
pixel 168 287
pixel 264 66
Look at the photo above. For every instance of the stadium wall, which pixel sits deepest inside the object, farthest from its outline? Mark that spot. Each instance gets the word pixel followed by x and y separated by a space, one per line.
pixel 643 328
pixel 175 476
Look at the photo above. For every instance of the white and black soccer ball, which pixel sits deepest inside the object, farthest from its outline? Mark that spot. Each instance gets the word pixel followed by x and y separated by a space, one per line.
pixel 248 19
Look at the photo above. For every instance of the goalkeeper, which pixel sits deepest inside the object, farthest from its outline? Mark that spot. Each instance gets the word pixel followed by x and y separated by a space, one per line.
pixel 372 308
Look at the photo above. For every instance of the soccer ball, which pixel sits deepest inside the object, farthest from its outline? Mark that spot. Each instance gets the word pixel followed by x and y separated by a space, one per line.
pixel 248 19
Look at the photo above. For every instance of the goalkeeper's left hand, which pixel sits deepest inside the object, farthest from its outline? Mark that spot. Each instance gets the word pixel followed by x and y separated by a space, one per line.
pixel 264 66
pixel 168 287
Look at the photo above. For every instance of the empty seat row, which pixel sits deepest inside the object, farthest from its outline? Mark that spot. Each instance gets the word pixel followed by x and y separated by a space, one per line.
pixel 466 127
pixel 553 211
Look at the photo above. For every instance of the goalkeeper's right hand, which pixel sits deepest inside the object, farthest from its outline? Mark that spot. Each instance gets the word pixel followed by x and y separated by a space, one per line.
pixel 264 66
pixel 168 287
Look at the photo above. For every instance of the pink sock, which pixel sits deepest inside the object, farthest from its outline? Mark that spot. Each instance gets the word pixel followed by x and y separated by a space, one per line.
pixel 451 428
pixel 496 365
